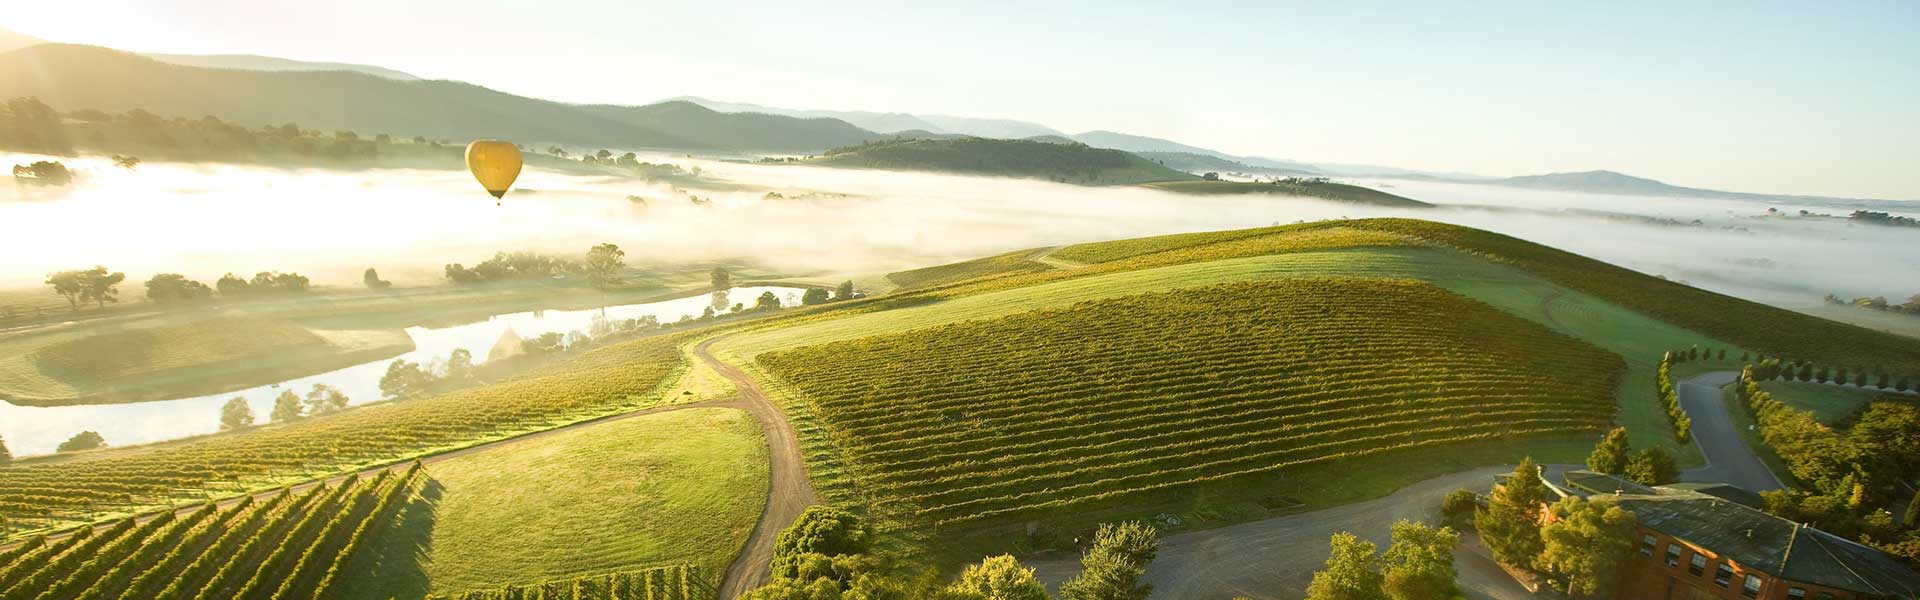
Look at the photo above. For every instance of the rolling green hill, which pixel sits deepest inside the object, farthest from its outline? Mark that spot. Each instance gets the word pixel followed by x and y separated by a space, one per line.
pixel 1313 188
pixel 1065 163
pixel 70 78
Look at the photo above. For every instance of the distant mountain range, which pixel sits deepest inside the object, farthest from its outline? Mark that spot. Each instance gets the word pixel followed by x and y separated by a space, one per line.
pixel 258 90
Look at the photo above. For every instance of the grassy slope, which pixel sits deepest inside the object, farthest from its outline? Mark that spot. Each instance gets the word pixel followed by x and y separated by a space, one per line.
pixel 1828 403
pixel 1001 264
pixel 679 487
pixel 1338 192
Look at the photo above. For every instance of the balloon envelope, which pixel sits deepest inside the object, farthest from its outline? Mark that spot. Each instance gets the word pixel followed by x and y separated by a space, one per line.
pixel 495 164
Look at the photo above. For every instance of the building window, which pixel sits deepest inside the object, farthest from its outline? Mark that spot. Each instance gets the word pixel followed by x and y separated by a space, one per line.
pixel 1699 564
pixel 1723 576
pixel 1673 555
pixel 1796 593
pixel 1646 545
pixel 1752 588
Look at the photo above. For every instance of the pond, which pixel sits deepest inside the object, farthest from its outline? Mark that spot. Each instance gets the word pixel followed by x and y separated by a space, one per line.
pixel 30 430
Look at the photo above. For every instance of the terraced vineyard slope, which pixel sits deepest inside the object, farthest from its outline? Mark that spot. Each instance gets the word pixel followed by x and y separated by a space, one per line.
pixel 291 546
pixel 984 421
pixel 604 381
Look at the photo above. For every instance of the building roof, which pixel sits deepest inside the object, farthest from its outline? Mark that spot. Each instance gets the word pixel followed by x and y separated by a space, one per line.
pixel 1723 491
pixel 1753 538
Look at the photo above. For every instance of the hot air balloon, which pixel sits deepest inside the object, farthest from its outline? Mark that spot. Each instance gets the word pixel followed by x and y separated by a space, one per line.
pixel 495 164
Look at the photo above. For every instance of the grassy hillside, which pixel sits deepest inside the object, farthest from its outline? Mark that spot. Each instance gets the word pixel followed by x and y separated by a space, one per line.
pixel 612 379
pixel 1312 188
pixel 672 488
pixel 83 77
pixel 1054 409
pixel 1009 263
pixel 1065 163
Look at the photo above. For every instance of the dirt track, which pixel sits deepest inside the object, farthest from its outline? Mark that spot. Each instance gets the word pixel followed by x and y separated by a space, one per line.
pixel 789 492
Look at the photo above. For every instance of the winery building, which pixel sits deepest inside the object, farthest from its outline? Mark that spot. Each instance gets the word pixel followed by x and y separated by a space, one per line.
pixel 1705 542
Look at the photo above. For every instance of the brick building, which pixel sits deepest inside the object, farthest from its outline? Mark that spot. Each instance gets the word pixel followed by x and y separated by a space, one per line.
pixel 1712 542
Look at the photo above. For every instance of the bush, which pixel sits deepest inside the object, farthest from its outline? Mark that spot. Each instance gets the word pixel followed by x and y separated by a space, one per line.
pixel 1458 508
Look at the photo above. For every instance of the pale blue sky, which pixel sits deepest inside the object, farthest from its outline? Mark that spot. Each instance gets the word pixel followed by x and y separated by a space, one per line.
pixel 1749 96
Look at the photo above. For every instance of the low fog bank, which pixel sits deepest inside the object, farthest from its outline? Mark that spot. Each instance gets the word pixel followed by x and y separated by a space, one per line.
pixel 205 220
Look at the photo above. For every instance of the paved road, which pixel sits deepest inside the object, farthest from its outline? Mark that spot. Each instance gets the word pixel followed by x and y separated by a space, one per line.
pixel 1275 558
pixel 1729 459
pixel 789 492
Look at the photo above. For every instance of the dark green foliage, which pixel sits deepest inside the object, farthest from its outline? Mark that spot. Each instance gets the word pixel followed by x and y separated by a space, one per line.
pixel 1653 466
pixel 169 288
pixel 1419 563
pixel 1510 525
pixel 815 296
pixel 1352 572
pixel 1669 394
pixel 1458 508
pixel 1588 545
pixel 1610 456
pixel 821 530
pixel 1112 568
pixel 844 291
pixel 85 440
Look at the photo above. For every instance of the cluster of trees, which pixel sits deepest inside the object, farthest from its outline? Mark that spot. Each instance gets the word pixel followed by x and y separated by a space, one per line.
pixel 43 172
pixel 815 296
pixel 29 125
pixel 1670 398
pixel 85 440
pixel 1583 547
pixel 287 407
pixel 1650 466
pixel 826 555
pixel 174 288
pixel 371 279
pixel 1880 303
pixel 1772 369
pixel 1418 565
pixel 1848 474
pixel 512 265
pixel 1881 218
pixel 6 456
pixel 81 286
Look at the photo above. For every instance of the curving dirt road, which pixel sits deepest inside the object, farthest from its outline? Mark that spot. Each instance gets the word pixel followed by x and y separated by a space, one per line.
pixel 789 492
pixel 1045 256
pixel 1729 459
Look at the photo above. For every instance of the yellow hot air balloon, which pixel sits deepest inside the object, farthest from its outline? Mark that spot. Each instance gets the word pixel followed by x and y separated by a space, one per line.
pixel 495 164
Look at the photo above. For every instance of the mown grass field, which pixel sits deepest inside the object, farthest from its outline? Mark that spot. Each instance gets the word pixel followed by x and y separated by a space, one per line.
pixel 176 356
pixel 290 546
pixel 1829 403
pixel 1001 264
pixel 682 487
pixel 67 490
pixel 1048 411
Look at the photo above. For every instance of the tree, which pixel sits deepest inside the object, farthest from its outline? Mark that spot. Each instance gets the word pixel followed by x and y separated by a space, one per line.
pixel 1610 455
pixel 844 292
pixel 1352 573
pixel 85 440
pixel 460 366
pixel 235 414
pixel 1653 466
pixel 1111 570
pixel 721 279
pixel 1419 564
pixel 767 301
pixel 604 263
pixel 35 127
pixel 231 285
pixel 6 458
pixel 814 296
pixel 1000 578
pixel 372 280
pixel 324 398
pixel 286 407
pixel 67 284
pixel 167 288
pixel 99 286
pixel 1912 519
pixel 405 379
pixel 126 162
pixel 820 530
pixel 1588 545
pixel 1510 525
pixel 1458 507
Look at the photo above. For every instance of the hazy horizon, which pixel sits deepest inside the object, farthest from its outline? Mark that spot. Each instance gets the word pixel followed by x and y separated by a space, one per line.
pixel 1754 99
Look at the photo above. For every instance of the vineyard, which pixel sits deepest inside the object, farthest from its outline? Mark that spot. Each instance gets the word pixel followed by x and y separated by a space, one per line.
pixel 604 381
pixel 1058 409
pixel 289 546
pixel 664 583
